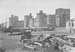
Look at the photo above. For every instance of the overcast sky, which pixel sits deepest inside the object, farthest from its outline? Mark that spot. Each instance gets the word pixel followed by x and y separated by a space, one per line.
pixel 24 7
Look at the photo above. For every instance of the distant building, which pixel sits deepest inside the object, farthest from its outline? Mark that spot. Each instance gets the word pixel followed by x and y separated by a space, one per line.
pixel 57 20
pixel 51 20
pixel 41 19
pixel 36 22
pixel 19 25
pixel 28 21
pixel 70 24
pixel 13 20
pixel 31 23
pixel 62 15
pixel 15 23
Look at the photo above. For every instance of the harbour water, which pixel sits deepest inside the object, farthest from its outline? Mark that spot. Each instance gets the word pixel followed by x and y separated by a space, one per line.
pixel 9 42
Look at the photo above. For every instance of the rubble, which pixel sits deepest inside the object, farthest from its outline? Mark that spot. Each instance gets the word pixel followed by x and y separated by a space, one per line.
pixel 55 42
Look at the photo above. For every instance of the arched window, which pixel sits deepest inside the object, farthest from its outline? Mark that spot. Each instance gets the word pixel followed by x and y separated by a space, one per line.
pixel 72 24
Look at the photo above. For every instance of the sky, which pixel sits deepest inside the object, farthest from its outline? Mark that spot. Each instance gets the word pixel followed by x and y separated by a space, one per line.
pixel 24 7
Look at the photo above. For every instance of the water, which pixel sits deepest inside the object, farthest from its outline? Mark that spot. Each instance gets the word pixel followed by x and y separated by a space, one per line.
pixel 9 42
